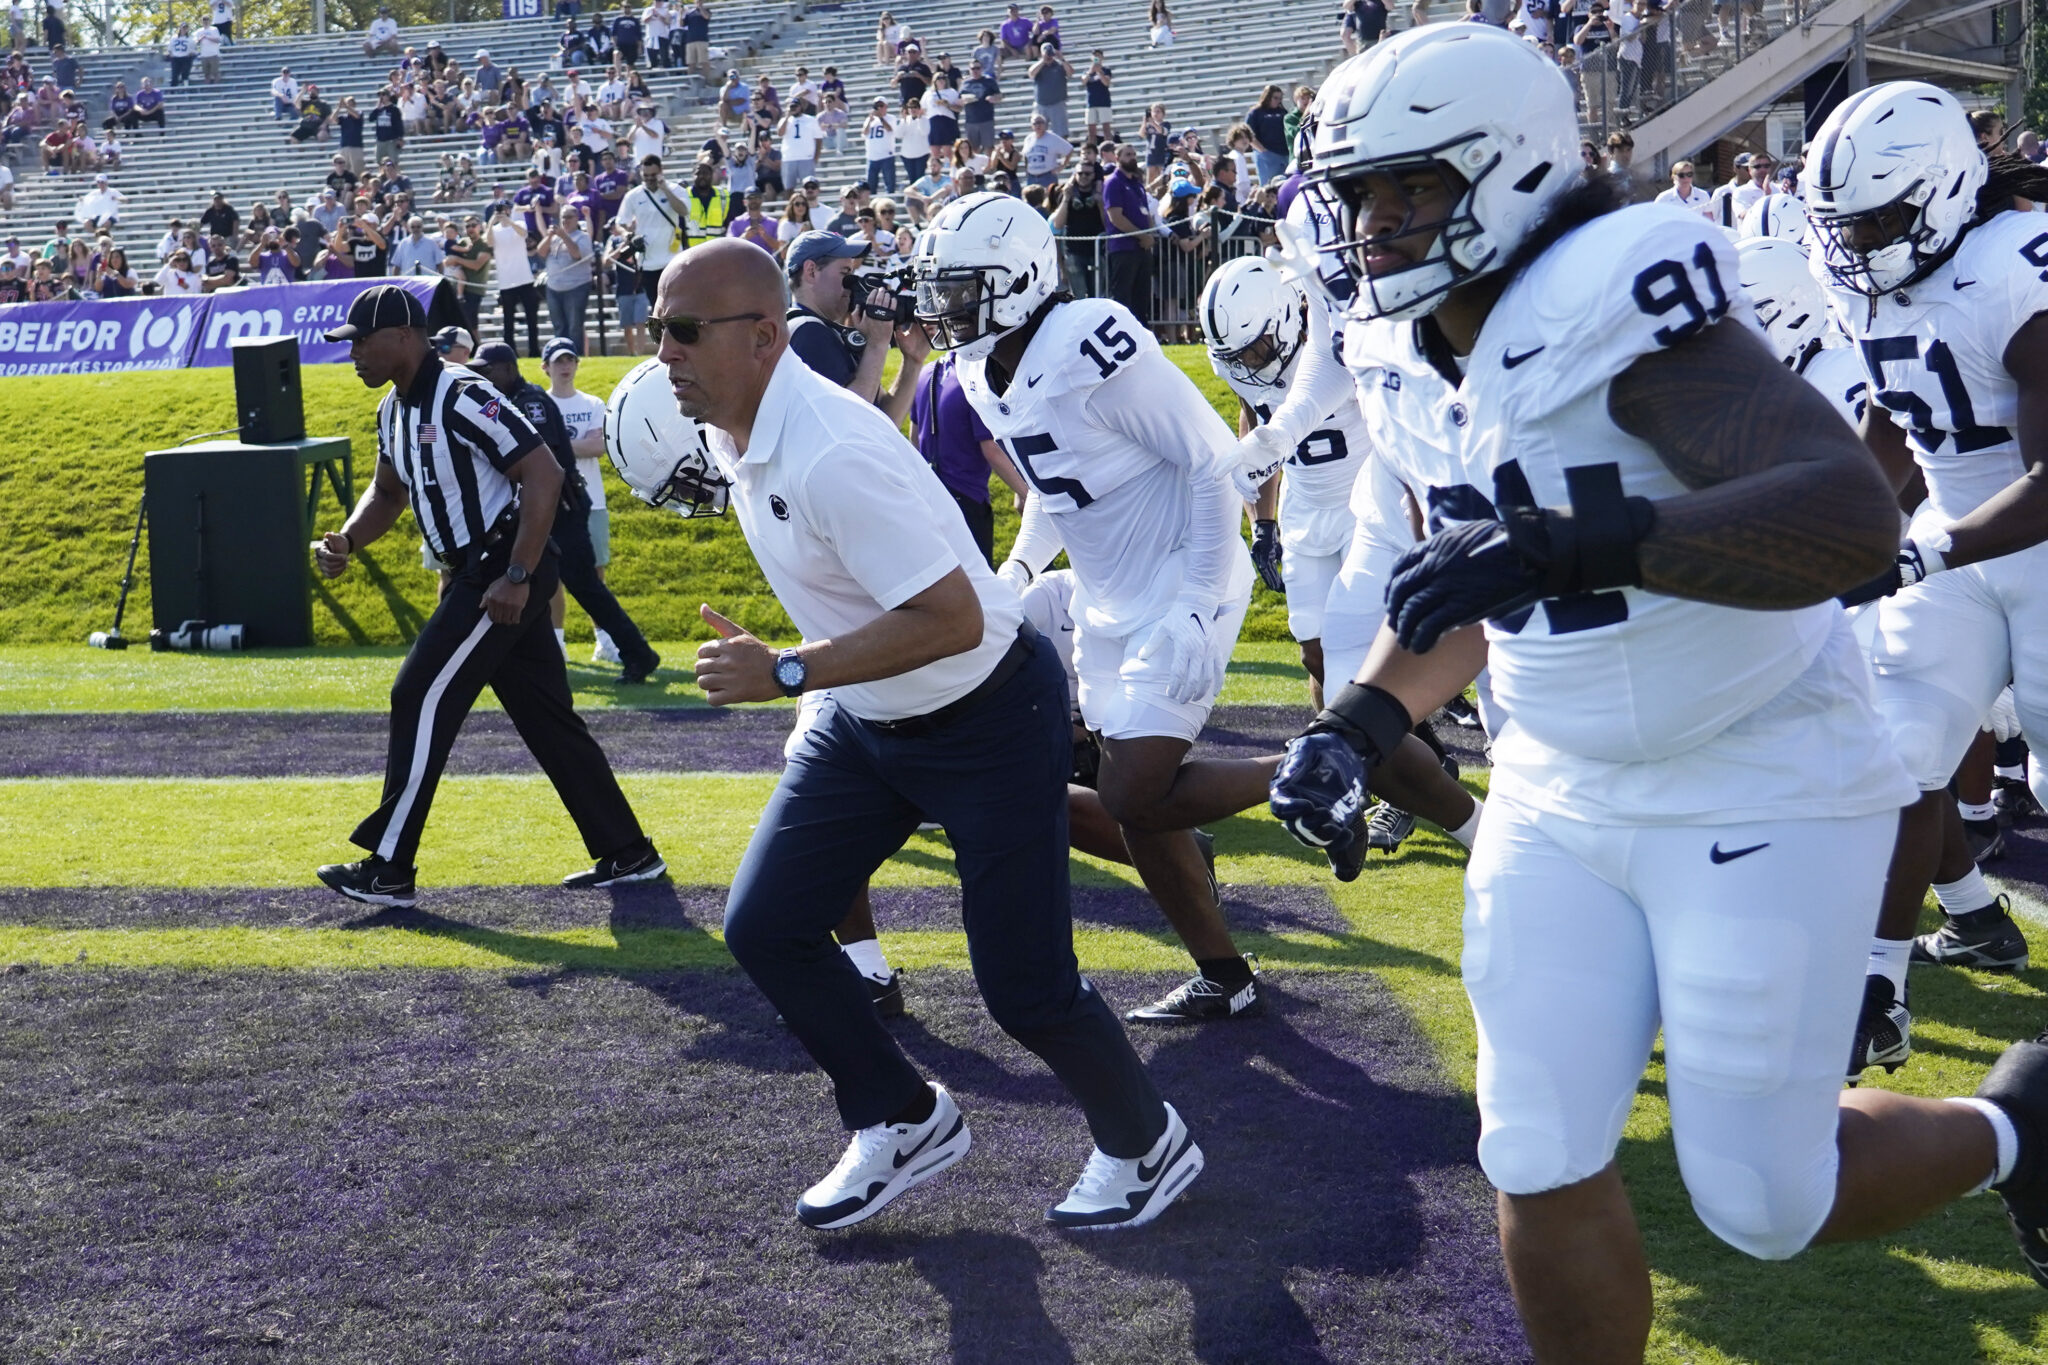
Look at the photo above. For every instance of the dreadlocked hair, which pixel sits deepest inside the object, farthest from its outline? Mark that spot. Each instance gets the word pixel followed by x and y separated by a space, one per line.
pixel 2012 177
pixel 1595 196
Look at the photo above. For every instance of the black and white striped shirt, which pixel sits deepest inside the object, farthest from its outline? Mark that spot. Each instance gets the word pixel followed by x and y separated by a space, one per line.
pixel 450 438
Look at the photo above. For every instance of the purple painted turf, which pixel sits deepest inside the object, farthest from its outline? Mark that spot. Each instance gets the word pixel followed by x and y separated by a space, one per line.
pixel 1251 909
pixel 466 1167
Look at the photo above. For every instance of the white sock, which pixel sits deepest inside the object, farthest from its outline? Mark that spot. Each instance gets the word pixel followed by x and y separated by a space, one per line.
pixel 1987 811
pixel 1966 893
pixel 562 639
pixel 866 956
pixel 605 645
pixel 2016 773
pixel 2008 1139
pixel 1469 831
pixel 1889 958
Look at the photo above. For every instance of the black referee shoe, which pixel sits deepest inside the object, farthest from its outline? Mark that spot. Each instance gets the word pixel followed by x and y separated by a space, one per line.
pixel 641 670
pixel 372 881
pixel 637 864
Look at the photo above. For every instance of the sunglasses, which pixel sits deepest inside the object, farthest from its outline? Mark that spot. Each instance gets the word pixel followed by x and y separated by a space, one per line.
pixel 687 331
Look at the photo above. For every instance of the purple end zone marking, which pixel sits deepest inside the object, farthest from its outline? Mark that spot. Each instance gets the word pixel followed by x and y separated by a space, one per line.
pixel 352 743
pixel 2026 857
pixel 1251 909
pixel 467 1167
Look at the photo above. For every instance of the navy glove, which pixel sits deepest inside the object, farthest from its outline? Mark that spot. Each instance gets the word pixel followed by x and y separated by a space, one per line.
pixel 1911 565
pixel 1318 794
pixel 1266 555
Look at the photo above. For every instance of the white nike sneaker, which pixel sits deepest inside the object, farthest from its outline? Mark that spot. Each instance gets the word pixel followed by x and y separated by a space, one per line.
pixel 1115 1192
pixel 882 1162
pixel 605 652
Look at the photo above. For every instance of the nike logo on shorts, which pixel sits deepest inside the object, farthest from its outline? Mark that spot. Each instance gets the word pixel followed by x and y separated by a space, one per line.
pixel 1716 855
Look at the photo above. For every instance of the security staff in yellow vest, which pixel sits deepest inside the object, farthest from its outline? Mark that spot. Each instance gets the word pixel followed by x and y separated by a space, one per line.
pixel 710 204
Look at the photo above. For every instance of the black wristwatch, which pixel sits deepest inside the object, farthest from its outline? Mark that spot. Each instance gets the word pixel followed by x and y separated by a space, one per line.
pixel 790 672
pixel 516 573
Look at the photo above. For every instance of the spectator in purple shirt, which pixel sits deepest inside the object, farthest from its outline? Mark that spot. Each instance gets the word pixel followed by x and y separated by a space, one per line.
pixel 1015 35
pixel 149 104
pixel 1128 207
pixel 960 450
pixel 537 202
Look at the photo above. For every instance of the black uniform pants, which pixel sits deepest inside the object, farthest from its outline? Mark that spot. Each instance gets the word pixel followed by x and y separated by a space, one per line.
pixel 458 651
pixel 580 578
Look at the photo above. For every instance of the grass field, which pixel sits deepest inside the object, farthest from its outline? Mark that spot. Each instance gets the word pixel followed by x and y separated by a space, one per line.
pixel 229 1090
pixel 71 481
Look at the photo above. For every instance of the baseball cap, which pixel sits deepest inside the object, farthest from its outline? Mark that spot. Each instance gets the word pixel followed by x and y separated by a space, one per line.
pixel 453 336
pixel 495 353
pixel 1742 158
pixel 809 181
pixel 378 307
pixel 559 346
pixel 822 246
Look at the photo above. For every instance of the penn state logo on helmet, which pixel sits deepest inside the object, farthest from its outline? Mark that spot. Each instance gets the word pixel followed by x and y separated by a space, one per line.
pixel 1438 150
pixel 661 454
pixel 1781 288
pixel 1892 180
pixel 1253 320
pixel 984 266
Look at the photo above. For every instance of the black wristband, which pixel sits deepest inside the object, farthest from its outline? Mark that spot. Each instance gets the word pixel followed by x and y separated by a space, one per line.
pixel 1370 719
pixel 1605 528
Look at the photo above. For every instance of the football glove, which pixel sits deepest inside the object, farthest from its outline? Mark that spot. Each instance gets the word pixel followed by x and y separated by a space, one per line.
pixel 1180 643
pixel 1260 453
pixel 1913 563
pixel 1318 795
pixel 1478 570
pixel 1266 554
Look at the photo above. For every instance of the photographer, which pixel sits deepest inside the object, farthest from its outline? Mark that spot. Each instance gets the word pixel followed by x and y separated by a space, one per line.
pixel 826 334
pixel 1079 221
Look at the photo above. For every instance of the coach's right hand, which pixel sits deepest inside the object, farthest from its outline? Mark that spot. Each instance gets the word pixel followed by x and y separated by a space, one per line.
pixel 330 554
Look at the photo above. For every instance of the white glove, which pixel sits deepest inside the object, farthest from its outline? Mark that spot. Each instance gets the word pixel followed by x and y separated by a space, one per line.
pixel 1925 548
pixel 1298 258
pixel 1015 574
pixel 1181 643
pixel 1261 451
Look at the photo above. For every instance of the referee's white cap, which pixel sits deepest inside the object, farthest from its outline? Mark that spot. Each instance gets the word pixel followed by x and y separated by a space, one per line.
pixel 378 307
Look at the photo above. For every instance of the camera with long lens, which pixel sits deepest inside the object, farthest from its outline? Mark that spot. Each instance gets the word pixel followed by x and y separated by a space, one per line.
pixel 197 635
pixel 900 284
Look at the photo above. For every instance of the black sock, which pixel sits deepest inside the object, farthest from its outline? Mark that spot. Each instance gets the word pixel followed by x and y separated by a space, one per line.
pixel 1226 971
pixel 2010 753
pixel 919 1109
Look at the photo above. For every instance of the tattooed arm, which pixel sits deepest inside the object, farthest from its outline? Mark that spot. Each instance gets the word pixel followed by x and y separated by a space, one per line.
pixel 1788 507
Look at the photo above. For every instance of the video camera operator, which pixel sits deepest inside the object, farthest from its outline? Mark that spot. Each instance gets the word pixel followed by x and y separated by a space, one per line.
pixel 846 345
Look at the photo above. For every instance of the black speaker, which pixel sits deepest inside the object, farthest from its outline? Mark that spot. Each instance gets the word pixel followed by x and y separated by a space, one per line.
pixel 267 396
pixel 227 540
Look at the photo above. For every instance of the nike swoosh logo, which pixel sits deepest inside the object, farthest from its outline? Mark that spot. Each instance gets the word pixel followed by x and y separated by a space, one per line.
pixel 1961 285
pixel 902 1157
pixel 378 888
pixel 1716 855
pixel 1509 359
pixel 1032 382
pixel 1152 1174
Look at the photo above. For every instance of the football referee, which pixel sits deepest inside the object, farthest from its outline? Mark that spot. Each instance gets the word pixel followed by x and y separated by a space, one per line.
pixel 483 487
pixel 942 703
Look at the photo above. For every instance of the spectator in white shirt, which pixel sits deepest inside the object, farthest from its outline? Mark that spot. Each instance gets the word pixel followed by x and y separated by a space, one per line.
pixel 416 253
pixel 800 133
pixel 284 95
pixel 382 35
pixel 178 278
pixel 208 43
pixel 223 19
pixel 1685 193
pixel 1045 152
pixel 913 140
pixel 647 134
pixel 878 136
pixel 100 207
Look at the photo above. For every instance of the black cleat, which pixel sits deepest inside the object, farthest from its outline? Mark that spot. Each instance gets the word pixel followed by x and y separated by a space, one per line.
pixel 887 995
pixel 640 670
pixel 2014 799
pixel 639 863
pixel 1986 939
pixel 1200 1000
pixel 1884 1030
pixel 2018 1084
pixel 1388 827
pixel 1986 839
pixel 1462 712
pixel 1347 859
pixel 372 881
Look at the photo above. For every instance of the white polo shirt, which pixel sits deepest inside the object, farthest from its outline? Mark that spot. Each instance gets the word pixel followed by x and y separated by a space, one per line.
pixel 847 521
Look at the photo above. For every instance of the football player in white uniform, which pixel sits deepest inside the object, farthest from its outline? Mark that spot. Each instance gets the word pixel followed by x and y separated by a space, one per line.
pixel 1257 325
pixel 1652 520
pixel 1130 470
pixel 1943 286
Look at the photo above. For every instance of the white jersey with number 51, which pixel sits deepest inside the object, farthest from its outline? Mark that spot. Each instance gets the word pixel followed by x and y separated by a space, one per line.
pixel 1116 442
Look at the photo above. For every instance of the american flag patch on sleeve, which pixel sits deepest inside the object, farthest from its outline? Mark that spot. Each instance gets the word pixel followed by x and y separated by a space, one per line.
pixel 429 433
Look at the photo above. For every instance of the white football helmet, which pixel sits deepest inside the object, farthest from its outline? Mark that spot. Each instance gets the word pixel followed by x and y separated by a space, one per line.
pixel 661 454
pixel 1787 299
pixel 1775 215
pixel 983 267
pixel 1484 113
pixel 1254 320
pixel 1892 180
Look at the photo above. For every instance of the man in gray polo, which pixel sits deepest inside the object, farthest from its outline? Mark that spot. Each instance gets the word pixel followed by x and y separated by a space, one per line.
pixel 944 705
